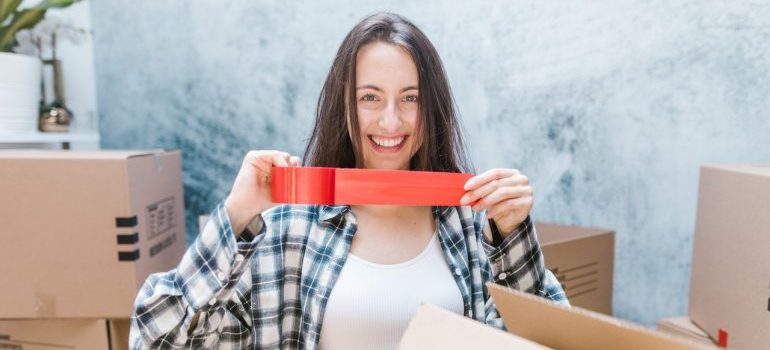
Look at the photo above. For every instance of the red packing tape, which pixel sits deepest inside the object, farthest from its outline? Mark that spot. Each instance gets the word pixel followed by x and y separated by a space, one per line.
pixel 312 185
pixel 722 338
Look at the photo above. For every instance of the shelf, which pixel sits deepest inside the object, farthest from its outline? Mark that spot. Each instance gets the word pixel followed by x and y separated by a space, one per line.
pixel 52 137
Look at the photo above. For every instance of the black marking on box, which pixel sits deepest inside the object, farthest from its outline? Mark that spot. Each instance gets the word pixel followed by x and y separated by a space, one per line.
pixel 160 217
pixel 129 238
pixel 162 245
pixel 128 256
pixel 126 222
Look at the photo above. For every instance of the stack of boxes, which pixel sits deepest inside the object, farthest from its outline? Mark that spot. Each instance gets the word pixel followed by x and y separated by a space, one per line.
pixel 79 234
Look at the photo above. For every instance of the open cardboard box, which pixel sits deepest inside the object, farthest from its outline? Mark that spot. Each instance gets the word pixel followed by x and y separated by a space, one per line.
pixel 533 323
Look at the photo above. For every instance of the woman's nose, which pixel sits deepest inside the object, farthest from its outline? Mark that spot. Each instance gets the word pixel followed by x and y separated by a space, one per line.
pixel 390 120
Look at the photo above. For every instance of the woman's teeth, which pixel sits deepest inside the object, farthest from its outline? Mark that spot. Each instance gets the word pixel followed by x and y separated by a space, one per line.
pixel 387 142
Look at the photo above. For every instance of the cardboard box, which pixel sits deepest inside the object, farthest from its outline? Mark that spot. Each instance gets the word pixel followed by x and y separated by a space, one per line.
pixel 119 333
pixel 583 261
pixel 63 334
pixel 80 231
pixel 730 285
pixel 533 323
pixel 684 327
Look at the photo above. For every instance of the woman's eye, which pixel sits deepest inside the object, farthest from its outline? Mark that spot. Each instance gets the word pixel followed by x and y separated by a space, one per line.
pixel 410 98
pixel 368 98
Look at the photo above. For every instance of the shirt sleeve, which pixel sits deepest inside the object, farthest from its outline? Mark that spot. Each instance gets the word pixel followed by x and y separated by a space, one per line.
pixel 517 262
pixel 205 301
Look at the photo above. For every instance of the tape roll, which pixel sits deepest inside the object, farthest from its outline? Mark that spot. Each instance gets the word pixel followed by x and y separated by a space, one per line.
pixel 315 185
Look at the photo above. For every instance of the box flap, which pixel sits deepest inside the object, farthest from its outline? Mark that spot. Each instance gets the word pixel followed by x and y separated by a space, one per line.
pixel 66 154
pixel 754 169
pixel 561 327
pixel 435 328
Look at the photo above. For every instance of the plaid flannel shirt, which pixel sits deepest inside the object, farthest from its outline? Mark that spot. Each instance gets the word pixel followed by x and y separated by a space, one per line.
pixel 269 290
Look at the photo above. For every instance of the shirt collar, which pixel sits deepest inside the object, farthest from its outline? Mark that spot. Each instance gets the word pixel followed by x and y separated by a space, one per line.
pixel 329 212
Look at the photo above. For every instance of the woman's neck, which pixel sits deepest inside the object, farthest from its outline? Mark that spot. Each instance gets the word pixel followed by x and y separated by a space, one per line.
pixel 390 211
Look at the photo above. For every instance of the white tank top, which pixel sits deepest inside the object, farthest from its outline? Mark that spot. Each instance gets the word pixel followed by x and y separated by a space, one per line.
pixel 371 304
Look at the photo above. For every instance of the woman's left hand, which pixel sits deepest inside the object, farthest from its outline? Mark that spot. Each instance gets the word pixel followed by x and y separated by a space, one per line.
pixel 506 195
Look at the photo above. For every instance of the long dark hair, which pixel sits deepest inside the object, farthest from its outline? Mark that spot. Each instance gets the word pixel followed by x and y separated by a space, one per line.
pixel 330 145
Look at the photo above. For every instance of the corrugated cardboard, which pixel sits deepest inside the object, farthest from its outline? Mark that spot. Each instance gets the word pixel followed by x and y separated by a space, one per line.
pixel 60 334
pixel 80 231
pixel 529 320
pixel 583 260
pixel 730 285
pixel 684 327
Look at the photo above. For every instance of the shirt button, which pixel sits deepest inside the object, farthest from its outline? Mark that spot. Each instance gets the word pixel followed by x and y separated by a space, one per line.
pixel 239 258
pixel 222 276
pixel 321 291
pixel 502 276
pixel 458 272
pixel 212 301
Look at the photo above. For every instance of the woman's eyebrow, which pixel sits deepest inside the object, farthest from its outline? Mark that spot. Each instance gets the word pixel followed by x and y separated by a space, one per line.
pixel 373 87
pixel 368 87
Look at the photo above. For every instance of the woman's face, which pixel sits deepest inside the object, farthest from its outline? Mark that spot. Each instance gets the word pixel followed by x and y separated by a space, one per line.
pixel 387 106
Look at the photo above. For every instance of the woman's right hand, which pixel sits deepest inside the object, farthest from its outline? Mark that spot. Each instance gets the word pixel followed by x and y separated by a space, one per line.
pixel 251 193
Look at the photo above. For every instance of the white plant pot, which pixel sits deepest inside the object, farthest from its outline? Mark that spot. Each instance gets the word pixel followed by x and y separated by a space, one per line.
pixel 19 93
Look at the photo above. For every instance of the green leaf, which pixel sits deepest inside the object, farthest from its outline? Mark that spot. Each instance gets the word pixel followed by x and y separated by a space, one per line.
pixel 47 4
pixel 22 20
pixel 6 8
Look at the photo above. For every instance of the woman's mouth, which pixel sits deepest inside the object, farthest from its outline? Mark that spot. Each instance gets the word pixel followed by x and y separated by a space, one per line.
pixel 387 144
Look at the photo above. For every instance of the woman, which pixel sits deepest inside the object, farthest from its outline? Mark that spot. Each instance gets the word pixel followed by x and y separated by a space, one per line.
pixel 266 276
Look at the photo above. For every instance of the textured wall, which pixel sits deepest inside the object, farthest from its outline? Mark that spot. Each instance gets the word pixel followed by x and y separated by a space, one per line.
pixel 609 107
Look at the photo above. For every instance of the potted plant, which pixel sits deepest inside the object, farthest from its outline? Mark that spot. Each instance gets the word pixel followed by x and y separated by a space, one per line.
pixel 20 75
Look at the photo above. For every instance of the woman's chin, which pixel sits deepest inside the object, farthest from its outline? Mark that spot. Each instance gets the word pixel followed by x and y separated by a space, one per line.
pixel 387 166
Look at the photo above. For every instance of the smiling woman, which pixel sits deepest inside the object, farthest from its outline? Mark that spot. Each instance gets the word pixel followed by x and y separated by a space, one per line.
pixel 342 276
pixel 397 75
pixel 387 106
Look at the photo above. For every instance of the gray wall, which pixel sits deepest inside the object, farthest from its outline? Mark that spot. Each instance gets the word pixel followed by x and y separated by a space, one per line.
pixel 609 107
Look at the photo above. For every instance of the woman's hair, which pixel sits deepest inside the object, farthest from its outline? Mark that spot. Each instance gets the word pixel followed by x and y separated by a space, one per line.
pixel 441 147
